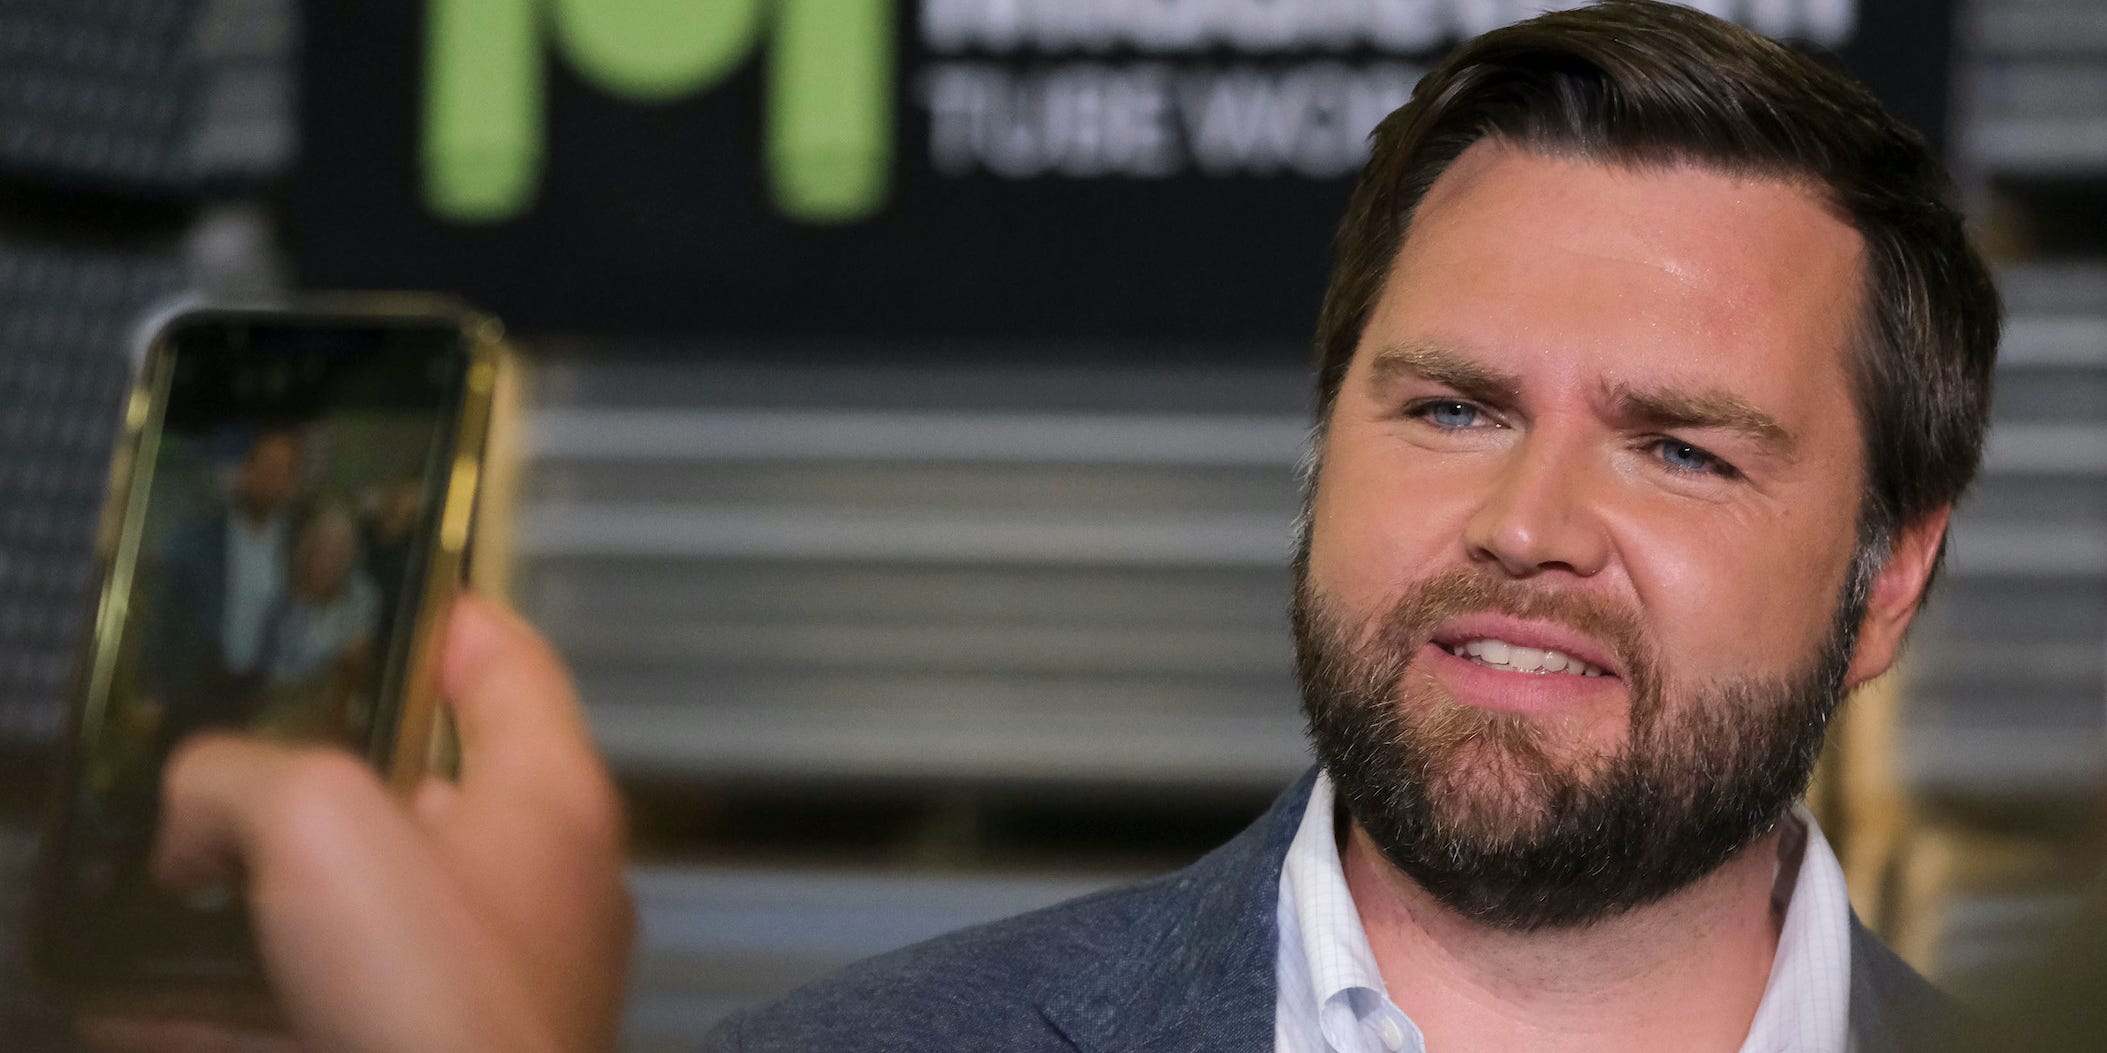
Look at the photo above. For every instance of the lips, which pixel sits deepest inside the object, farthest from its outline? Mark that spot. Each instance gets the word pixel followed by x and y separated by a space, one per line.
pixel 1515 658
pixel 1520 645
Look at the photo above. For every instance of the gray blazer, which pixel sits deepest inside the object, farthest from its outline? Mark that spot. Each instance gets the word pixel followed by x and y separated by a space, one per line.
pixel 1183 962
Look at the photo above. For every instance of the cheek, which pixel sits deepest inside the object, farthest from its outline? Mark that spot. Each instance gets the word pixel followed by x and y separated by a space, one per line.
pixel 1380 523
pixel 1732 598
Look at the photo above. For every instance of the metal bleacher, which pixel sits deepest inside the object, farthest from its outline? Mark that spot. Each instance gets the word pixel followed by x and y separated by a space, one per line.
pixel 950 583
pixel 2007 692
pixel 954 573
pixel 2003 738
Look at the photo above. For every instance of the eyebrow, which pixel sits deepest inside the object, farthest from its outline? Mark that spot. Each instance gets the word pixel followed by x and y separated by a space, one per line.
pixel 1659 407
pixel 1671 408
pixel 1447 367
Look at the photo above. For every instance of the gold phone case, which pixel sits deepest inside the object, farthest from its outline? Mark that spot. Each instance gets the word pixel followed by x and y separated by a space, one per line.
pixel 423 739
pixel 418 740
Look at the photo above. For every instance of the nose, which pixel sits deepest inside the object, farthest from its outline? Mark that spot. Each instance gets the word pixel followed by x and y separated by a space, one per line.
pixel 1539 513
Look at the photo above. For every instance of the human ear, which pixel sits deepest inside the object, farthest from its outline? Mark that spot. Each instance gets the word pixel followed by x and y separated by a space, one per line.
pixel 1897 590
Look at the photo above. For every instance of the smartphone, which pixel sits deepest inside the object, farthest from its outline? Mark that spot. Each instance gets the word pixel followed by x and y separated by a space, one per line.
pixel 288 520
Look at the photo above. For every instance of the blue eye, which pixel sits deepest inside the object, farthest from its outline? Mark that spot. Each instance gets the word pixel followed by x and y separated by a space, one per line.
pixel 1449 414
pixel 1683 457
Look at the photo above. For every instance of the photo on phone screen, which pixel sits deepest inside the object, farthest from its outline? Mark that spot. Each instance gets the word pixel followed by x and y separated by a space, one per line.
pixel 285 497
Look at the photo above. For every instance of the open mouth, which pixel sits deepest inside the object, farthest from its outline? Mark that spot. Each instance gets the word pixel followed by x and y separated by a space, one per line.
pixel 1517 658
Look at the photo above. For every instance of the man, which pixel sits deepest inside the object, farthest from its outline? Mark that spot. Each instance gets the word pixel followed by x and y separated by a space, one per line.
pixel 1651 365
pixel 388 532
pixel 221 576
pixel 317 659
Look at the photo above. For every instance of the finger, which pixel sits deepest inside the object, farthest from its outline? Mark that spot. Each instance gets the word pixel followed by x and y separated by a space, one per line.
pixel 535 813
pixel 234 806
pixel 206 821
pixel 350 905
pixel 534 808
pixel 519 720
pixel 435 801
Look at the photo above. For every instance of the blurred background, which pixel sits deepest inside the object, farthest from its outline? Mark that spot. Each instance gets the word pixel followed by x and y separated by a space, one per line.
pixel 905 459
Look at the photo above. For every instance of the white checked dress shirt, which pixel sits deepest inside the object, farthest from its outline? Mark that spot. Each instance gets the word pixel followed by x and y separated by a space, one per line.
pixel 255 578
pixel 1332 1000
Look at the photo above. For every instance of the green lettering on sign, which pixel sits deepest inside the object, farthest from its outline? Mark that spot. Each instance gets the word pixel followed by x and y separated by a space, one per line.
pixel 827 129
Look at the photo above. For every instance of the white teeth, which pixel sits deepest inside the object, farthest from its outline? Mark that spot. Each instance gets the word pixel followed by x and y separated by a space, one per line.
pixel 1501 654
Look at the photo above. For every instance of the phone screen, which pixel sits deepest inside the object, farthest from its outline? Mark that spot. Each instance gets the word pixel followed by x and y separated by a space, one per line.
pixel 286 493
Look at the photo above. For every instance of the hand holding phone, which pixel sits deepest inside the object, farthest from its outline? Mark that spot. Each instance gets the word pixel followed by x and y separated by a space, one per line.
pixel 284 540
pixel 488 915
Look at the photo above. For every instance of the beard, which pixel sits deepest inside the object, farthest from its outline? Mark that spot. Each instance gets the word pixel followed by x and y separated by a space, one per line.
pixel 1504 823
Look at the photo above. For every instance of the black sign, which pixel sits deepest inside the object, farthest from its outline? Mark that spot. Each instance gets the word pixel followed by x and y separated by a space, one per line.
pixel 910 169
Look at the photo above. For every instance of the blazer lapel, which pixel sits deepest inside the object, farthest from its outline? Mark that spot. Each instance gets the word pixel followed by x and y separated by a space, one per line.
pixel 1196 971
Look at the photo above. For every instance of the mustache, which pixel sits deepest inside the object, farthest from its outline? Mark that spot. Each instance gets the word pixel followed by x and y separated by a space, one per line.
pixel 1410 624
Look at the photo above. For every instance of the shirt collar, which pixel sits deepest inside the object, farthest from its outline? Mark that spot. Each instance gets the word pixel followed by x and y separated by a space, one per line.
pixel 1807 1002
pixel 1348 1000
pixel 1328 975
pixel 270 533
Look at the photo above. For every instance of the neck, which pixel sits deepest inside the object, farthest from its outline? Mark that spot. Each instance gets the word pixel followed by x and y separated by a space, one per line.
pixel 1685 973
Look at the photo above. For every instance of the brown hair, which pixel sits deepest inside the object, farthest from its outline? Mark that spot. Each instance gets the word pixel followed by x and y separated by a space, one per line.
pixel 1636 82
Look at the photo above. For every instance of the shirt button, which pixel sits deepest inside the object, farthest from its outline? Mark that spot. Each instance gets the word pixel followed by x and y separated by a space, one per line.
pixel 1393 1035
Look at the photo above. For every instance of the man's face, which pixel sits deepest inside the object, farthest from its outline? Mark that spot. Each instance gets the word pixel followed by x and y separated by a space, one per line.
pixel 1598 438
pixel 268 474
pixel 325 557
